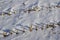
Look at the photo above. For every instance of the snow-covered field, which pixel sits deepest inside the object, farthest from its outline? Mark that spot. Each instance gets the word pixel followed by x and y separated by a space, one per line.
pixel 32 16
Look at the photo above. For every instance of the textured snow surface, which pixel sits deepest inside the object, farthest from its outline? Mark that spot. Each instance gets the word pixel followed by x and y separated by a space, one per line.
pixel 22 18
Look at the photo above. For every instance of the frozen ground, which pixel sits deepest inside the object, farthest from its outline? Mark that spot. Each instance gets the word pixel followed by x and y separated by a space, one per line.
pixel 20 17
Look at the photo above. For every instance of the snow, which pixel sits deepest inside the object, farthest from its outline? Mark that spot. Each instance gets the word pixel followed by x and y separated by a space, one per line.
pixel 22 19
